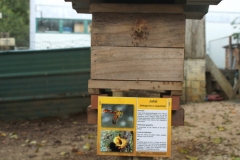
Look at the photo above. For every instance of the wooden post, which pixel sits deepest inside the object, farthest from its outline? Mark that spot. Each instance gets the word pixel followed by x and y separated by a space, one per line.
pixel 230 53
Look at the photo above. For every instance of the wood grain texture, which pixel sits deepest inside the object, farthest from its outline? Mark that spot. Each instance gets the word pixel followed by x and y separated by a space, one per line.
pixel 219 77
pixel 236 88
pixel 136 85
pixel 136 63
pixel 195 39
pixel 136 8
pixel 117 29
pixel 176 93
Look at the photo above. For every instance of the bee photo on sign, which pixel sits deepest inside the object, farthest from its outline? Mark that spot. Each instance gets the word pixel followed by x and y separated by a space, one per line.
pixel 116 141
pixel 117 115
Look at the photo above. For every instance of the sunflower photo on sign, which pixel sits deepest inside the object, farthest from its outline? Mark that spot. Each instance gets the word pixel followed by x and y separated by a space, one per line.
pixel 116 141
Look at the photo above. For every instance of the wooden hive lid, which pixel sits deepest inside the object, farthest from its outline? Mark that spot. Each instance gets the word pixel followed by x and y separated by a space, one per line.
pixel 193 9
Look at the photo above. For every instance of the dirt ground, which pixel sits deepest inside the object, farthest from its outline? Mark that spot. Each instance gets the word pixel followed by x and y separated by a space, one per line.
pixel 211 132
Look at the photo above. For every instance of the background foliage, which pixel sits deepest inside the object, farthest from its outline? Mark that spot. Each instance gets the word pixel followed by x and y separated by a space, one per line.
pixel 236 26
pixel 15 20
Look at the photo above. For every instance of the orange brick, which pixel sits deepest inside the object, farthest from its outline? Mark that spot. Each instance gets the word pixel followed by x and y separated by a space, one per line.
pixel 175 101
pixel 94 100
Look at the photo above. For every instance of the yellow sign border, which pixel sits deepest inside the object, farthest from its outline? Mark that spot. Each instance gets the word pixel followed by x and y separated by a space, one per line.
pixel 136 102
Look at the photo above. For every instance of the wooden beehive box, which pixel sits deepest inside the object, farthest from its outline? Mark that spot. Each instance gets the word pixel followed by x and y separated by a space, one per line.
pixel 137 51
pixel 139 45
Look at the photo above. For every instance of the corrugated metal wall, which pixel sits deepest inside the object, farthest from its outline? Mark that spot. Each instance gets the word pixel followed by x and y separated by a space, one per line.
pixel 43 83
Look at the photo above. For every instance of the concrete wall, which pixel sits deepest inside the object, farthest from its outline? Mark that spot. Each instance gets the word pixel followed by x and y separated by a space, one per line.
pixel 194 65
pixel 194 89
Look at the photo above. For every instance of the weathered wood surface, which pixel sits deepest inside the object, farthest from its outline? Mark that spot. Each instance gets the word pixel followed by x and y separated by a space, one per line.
pixel 176 93
pixel 136 63
pixel 177 116
pixel 236 88
pixel 136 8
pixel 135 85
pixel 124 30
pixel 195 39
pixel 219 77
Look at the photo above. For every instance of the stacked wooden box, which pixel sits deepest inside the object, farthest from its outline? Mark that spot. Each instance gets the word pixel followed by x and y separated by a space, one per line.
pixel 137 47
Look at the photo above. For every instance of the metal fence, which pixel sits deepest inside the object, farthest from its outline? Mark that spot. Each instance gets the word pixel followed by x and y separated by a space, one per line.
pixel 43 83
pixel 217 52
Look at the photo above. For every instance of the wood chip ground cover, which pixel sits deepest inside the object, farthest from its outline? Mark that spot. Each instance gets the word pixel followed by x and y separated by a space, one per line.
pixel 211 132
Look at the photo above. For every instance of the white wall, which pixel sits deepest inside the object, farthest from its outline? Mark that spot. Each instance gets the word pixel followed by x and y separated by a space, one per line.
pixel 55 9
pixel 218 26
pixel 54 41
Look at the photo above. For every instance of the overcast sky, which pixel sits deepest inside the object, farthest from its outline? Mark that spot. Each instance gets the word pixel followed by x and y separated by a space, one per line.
pixel 226 6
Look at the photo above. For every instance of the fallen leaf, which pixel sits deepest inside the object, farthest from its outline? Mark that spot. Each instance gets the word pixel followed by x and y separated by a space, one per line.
pixel 27 140
pixel 13 135
pixel 233 112
pixel 217 140
pixel 221 128
pixel 43 142
pixel 63 153
pixel 80 153
pixel 189 124
pixel 33 142
pixel 212 132
pixel 192 158
pixel 90 136
pixel 75 123
pixel 3 135
pixel 86 146
pixel 183 150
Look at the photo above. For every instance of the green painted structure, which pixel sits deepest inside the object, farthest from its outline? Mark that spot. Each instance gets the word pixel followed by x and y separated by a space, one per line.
pixel 44 83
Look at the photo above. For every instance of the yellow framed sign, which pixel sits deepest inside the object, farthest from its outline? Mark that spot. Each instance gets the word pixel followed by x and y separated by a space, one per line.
pixel 134 126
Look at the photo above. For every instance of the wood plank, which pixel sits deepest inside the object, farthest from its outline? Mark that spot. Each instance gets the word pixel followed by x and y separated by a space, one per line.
pixel 124 30
pixel 130 63
pixel 176 93
pixel 136 85
pixel 236 88
pixel 177 116
pixel 136 8
pixel 219 77
pixel 94 91
pixel 195 39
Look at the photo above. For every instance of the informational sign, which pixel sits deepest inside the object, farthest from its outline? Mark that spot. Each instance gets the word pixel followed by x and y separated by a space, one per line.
pixel 134 126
